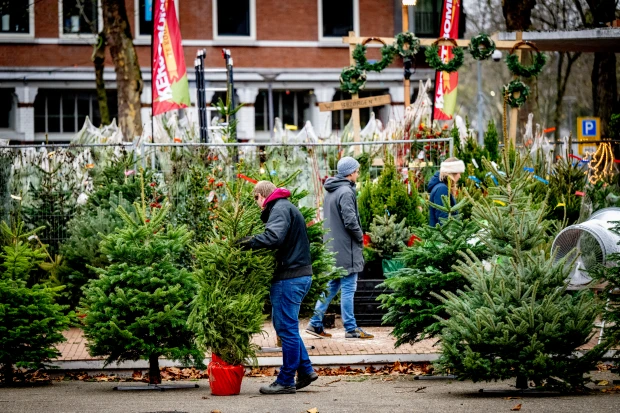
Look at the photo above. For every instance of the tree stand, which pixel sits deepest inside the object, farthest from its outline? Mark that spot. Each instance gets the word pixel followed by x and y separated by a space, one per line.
pixel 155 380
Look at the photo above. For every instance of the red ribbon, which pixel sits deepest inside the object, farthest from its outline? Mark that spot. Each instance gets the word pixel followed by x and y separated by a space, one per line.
pixel 579 193
pixel 575 157
pixel 247 178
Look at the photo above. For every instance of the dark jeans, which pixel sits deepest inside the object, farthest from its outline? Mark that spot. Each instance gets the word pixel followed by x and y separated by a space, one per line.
pixel 286 297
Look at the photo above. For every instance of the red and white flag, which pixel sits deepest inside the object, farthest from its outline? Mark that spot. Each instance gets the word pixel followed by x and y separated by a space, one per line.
pixel 446 83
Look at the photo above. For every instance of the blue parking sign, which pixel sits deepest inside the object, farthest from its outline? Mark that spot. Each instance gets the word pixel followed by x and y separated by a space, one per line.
pixel 588 128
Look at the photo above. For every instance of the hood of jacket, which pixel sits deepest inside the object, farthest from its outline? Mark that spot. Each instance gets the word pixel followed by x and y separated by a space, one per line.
pixel 331 184
pixel 433 182
pixel 279 193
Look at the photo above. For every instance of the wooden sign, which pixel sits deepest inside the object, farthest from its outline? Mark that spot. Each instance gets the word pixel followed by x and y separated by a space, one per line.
pixel 355 103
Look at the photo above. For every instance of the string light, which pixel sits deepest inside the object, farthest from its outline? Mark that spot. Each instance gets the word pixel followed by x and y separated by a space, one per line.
pixel 601 164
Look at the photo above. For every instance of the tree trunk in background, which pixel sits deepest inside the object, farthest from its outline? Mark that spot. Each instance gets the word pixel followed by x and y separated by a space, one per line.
pixel 99 61
pixel 518 14
pixel 604 80
pixel 561 82
pixel 128 76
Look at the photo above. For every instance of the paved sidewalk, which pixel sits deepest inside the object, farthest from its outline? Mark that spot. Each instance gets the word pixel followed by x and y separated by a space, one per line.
pixel 75 347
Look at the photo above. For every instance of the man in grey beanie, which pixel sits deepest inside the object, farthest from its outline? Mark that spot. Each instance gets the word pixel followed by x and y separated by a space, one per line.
pixel 345 238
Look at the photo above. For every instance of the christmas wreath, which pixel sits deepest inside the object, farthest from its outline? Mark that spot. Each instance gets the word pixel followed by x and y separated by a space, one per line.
pixel 412 42
pixel 434 61
pixel 514 88
pixel 352 79
pixel 387 56
pixel 512 60
pixel 488 47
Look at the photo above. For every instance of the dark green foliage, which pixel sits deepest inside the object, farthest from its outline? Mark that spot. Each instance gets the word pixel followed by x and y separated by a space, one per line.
pixel 233 284
pixel 491 141
pixel 31 323
pixel 139 305
pixel 515 318
pixel 472 152
pixel 428 268
pixel 389 195
pixel 387 236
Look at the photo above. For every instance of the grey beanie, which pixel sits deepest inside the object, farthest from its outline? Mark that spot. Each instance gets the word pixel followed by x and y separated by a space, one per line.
pixel 346 166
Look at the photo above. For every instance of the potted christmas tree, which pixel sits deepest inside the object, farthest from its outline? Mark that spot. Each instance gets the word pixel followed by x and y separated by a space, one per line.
pixel 232 286
pixel 139 305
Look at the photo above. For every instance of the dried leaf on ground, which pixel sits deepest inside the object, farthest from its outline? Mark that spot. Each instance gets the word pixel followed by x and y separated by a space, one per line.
pixel 603 383
pixel 313 410
pixel 516 408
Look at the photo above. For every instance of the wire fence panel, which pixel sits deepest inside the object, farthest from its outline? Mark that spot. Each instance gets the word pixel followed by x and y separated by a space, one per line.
pixel 48 184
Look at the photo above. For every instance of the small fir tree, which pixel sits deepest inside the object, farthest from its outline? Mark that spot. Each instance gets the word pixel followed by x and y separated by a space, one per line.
pixel 232 283
pixel 411 307
pixel 491 141
pixel 388 237
pixel 138 307
pixel 31 323
pixel 515 318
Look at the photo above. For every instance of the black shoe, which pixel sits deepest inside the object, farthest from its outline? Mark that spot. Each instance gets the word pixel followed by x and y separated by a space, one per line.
pixel 304 381
pixel 277 388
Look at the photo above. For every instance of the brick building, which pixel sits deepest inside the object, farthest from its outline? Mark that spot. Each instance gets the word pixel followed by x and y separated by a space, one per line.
pixel 47 81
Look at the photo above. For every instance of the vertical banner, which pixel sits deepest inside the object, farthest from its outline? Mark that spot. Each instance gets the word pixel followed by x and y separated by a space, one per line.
pixel 169 74
pixel 446 83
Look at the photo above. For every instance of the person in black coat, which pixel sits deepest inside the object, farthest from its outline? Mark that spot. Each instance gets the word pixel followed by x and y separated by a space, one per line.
pixel 285 232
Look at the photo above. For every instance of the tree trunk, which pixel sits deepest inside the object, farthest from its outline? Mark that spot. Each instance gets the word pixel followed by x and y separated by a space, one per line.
pixel 561 82
pixel 518 14
pixel 99 61
pixel 128 76
pixel 154 373
pixel 604 89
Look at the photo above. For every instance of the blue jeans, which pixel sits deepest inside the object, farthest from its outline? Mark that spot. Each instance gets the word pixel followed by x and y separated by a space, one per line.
pixel 348 285
pixel 286 297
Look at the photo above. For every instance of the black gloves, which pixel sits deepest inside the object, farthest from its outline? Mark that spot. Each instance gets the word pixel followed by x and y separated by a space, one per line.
pixel 244 242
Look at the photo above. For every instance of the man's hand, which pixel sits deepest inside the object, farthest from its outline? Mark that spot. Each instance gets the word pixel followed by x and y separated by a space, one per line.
pixel 243 242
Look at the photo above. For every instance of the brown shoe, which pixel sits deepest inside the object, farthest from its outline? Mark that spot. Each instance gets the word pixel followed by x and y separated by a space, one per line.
pixel 318 332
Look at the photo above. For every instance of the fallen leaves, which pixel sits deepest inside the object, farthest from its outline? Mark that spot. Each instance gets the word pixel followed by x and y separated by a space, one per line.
pixel 516 408
pixel 614 389
pixel 603 383
pixel 395 369
pixel 313 410
pixel 263 372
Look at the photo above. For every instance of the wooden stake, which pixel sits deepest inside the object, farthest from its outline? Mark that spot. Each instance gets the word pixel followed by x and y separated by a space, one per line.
pixel 406 84
pixel 356 112
pixel 514 112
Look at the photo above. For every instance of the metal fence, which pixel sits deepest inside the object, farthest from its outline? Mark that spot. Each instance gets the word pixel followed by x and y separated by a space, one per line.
pixel 47 183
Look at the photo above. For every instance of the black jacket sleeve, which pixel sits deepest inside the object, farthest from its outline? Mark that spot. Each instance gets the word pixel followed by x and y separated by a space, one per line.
pixel 348 212
pixel 275 230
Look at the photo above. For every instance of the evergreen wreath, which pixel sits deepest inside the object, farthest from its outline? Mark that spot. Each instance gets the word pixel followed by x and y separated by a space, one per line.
pixel 516 86
pixel 488 47
pixel 517 69
pixel 352 79
pixel 434 61
pixel 387 56
pixel 407 38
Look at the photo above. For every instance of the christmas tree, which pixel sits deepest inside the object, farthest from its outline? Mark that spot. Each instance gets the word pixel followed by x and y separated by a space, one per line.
pixel 30 321
pixel 515 318
pixel 387 236
pixel 138 307
pixel 491 141
pixel 427 268
pixel 232 283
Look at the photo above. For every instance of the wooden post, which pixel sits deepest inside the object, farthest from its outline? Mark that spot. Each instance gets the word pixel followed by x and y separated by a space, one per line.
pixel 406 84
pixel 514 112
pixel 356 112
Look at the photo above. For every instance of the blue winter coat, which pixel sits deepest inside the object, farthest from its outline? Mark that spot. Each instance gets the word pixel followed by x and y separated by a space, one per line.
pixel 438 188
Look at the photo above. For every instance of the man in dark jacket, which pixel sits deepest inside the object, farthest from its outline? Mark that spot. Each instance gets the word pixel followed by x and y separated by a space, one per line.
pixel 449 174
pixel 345 238
pixel 285 232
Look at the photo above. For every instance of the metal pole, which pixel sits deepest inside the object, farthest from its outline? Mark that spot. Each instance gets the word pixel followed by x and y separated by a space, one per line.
pixel 480 103
pixel 270 96
pixel 199 102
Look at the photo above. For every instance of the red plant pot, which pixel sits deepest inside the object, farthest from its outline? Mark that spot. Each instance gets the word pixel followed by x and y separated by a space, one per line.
pixel 224 379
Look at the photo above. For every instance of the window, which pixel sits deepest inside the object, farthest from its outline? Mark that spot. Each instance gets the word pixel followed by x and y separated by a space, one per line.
pixel 79 17
pixel 341 118
pixel 234 19
pixel 145 15
pixel 6 108
pixel 16 17
pixel 290 106
pixel 64 111
pixel 337 18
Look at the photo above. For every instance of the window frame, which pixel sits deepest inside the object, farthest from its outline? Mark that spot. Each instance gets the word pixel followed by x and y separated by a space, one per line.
pixel 89 36
pixel 29 35
pixel 251 37
pixel 136 20
pixel 356 23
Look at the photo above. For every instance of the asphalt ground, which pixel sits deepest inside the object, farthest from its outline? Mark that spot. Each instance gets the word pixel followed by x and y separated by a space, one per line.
pixel 327 394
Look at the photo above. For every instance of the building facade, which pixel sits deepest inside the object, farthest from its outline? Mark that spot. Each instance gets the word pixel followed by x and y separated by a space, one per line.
pixel 47 80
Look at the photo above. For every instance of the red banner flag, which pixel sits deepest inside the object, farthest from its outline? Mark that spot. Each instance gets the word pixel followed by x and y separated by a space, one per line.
pixel 446 83
pixel 169 74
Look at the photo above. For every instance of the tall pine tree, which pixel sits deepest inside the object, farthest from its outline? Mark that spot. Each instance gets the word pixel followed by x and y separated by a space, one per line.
pixel 515 318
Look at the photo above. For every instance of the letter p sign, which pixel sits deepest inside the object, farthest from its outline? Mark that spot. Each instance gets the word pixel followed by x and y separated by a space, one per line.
pixel 588 128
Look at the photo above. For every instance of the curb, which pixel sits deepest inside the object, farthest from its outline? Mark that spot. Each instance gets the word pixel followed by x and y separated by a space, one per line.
pixel 340 360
